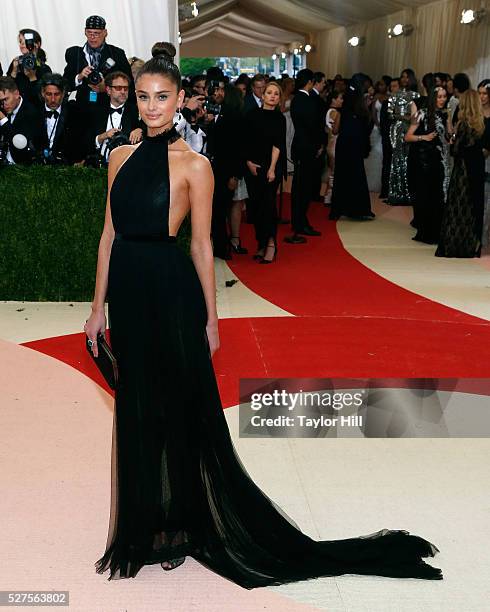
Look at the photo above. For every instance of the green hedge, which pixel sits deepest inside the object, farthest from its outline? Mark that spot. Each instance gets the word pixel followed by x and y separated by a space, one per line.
pixel 51 220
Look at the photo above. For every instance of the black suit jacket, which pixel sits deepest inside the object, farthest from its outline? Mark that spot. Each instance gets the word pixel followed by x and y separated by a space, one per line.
pixel 223 148
pixel 29 123
pixel 305 120
pixel 98 123
pixel 64 143
pixel 76 62
pixel 249 103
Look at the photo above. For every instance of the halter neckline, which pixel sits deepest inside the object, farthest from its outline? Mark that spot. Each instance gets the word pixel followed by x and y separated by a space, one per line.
pixel 170 136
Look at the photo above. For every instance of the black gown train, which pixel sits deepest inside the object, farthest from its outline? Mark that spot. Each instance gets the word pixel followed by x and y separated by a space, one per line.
pixel 178 486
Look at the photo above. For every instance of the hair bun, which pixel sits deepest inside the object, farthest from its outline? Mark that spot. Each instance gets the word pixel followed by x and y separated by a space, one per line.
pixel 164 50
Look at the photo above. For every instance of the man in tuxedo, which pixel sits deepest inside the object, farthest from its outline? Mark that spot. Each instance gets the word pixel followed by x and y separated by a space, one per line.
pixel 19 117
pixel 254 99
pixel 319 83
pixel 225 160
pixel 304 150
pixel 118 116
pixel 81 62
pixel 58 146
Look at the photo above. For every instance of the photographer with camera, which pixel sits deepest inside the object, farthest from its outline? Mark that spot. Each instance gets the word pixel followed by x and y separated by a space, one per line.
pixel 21 128
pixel 58 146
pixel 116 123
pixel 29 67
pixel 87 66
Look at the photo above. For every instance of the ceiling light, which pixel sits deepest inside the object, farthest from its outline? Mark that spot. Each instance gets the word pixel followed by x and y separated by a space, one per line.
pixel 307 48
pixel 471 17
pixel 195 10
pixel 399 30
pixel 283 55
pixel 296 51
pixel 274 56
pixel 180 38
pixel 356 41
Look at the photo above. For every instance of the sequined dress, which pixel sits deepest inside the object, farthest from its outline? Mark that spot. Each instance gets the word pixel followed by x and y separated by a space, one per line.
pixel 399 110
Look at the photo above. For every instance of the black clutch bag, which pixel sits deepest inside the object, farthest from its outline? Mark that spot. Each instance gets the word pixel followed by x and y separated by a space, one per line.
pixel 105 361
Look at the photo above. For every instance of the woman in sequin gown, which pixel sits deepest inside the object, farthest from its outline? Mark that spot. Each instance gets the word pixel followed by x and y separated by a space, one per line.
pixel 178 485
pixel 429 154
pixel 400 110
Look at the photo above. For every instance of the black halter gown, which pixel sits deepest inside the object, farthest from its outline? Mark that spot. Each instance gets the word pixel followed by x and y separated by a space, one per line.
pixel 178 486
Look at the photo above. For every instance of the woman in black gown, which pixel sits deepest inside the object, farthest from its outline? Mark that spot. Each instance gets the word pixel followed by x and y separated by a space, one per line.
pixel 178 486
pixel 462 221
pixel 427 135
pixel 265 153
pixel 350 195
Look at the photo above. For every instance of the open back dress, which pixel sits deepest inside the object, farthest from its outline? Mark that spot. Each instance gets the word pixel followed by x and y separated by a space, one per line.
pixel 178 485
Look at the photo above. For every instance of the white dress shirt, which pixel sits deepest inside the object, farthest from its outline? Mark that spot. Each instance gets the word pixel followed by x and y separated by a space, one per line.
pixel 114 120
pixel 259 101
pixel 87 56
pixel 4 121
pixel 51 125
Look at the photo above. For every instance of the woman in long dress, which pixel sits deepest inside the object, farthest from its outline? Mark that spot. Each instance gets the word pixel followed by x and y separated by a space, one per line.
pixel 430 152
pixel 265 154
pixel 484 93
pixel 335 101
pixel 350 196
pixel 462 222
pixel 374 162
pixel 399 108
pixel 178 486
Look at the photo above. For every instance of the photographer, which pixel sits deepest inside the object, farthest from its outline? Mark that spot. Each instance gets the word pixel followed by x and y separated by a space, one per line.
pixel 21 128
pixel 118 117
pixel 58 146
pixel 87 66
pixel 28 68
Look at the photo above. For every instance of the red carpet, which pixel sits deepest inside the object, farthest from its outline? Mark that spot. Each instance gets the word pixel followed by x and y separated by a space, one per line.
pixel 350 323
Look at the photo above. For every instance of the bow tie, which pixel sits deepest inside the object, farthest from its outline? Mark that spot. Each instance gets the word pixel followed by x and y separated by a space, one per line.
pixel 116 110
pixel 50 114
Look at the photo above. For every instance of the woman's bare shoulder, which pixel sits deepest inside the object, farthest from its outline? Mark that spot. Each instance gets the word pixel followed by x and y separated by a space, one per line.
pixel 120 154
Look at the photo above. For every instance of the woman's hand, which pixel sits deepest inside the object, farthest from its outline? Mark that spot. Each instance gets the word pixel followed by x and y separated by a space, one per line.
pixel 136 136
pixel 31 74
pixel 253 167
pixel 213 336
pixel 232 183
pixel 96 324
pixel 429 137
pixel 271 175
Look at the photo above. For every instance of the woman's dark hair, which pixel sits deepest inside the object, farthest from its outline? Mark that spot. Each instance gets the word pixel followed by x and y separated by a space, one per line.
pixel 428 81
pixel 233 102
pixel 41 54
pixel 461 82
pixel 354 102
pixel 412 79
pixel 387 79
pixel 485 83
pixel 335 93
pixel 162 63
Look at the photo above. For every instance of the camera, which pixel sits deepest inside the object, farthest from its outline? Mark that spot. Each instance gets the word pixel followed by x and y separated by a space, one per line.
pixel 28 61
pixel 115 141
pixel 209 103
pixel 96 76
pixel 51 158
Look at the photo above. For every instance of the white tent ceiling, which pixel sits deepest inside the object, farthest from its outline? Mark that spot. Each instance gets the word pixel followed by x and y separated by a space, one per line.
pixel 246 27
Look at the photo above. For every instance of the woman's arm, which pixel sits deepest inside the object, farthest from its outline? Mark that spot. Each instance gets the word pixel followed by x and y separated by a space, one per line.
pixel 271 173
pixel 336 122
pixel 201 187
pixel 96 323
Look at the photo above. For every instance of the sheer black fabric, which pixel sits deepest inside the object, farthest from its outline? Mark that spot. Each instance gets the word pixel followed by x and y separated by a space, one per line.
pixel 178 486
pixel 462 221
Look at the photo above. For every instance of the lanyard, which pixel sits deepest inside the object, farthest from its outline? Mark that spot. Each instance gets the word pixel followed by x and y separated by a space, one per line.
pixel 52 131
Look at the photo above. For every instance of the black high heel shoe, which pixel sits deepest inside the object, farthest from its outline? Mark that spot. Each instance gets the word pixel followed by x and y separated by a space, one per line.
pixel 173 563
pixel 268 261
pixel 237 248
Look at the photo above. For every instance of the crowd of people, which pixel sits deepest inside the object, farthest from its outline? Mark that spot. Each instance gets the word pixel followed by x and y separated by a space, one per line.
pixel 341 140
